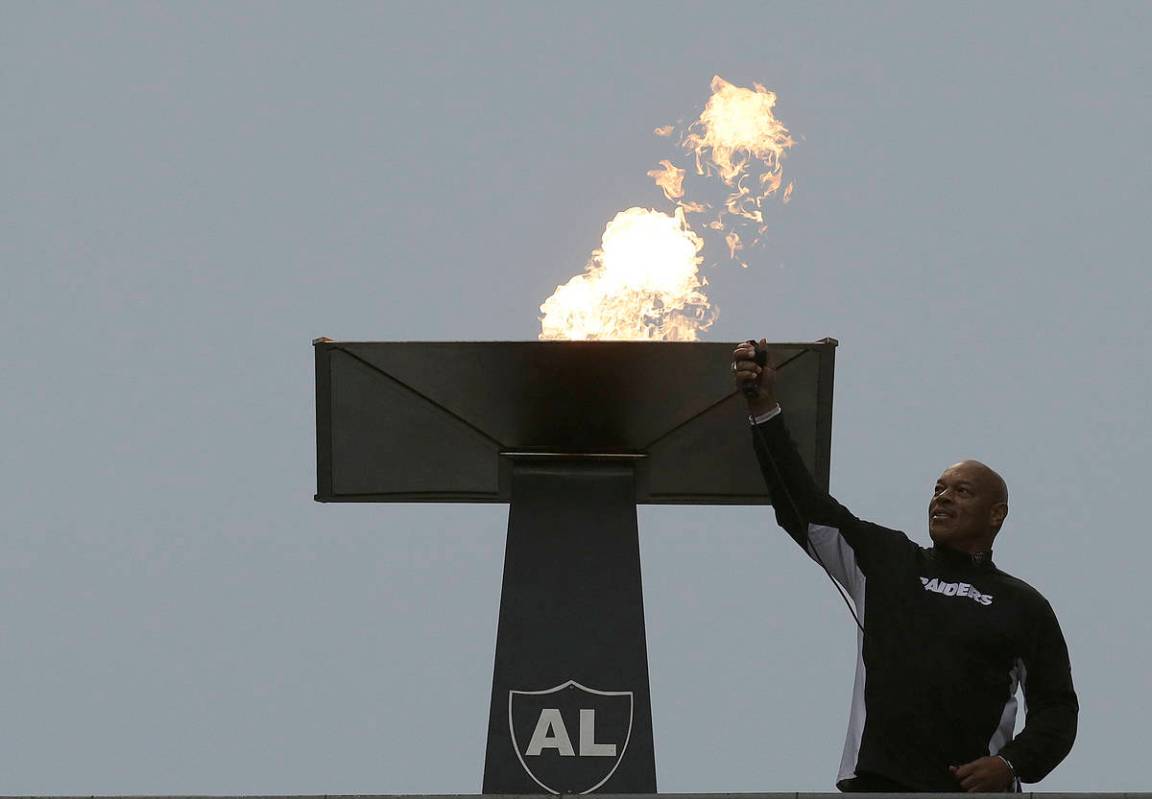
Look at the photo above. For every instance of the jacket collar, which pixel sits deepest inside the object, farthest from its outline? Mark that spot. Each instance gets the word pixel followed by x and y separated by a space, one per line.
pixel 957 559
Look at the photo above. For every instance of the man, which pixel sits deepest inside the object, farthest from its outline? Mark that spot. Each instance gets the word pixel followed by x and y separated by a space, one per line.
pixel 946 637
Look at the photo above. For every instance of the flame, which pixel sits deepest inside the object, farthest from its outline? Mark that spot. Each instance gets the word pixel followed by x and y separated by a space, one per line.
pixel 670 179
pixel 737 126
pixel 734 243
pixel 643 283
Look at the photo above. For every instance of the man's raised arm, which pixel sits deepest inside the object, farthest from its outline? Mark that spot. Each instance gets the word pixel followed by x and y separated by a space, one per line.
pixel 824 528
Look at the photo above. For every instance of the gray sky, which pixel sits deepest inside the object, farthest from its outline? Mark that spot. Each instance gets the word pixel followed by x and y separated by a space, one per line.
pixel 192 192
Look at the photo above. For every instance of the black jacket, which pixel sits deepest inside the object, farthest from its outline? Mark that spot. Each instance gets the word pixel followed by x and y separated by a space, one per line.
pixel 948 638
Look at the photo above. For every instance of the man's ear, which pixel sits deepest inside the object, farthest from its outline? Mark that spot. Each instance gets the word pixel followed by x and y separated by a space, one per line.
pixel 999 513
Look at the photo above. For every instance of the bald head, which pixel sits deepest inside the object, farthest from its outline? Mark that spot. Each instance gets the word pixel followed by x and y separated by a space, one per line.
pixel 988 477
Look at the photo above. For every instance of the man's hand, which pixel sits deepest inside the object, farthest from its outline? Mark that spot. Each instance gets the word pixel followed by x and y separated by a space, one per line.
pixel 745 369
pixel 984 775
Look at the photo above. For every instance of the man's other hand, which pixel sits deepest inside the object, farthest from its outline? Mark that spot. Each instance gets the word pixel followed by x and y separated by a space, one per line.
pixel 745 370
pixel 983 775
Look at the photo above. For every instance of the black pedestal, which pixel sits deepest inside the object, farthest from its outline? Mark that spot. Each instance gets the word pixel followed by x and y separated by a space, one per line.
pixel 573 434
pixel 571 710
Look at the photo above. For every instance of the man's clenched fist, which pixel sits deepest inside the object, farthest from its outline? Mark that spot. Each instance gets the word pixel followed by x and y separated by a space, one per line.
pixel 745 370
pixel 984 775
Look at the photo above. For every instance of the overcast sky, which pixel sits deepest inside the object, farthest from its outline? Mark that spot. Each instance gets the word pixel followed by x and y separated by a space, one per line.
pixel 189 193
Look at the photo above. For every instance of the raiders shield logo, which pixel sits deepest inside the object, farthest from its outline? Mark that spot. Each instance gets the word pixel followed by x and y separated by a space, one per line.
pixel 570 738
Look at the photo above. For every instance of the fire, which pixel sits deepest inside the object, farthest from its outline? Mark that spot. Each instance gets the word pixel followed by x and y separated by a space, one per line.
pixel 737 125
pixel 644 281
pixel 670 179
pixel 736 131
pixel 734 244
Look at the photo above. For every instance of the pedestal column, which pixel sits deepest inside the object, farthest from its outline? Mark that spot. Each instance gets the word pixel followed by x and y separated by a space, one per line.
pixel 571 710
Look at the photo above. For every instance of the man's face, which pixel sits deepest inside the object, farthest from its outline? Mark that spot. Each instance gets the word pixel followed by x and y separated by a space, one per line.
pixel 968 505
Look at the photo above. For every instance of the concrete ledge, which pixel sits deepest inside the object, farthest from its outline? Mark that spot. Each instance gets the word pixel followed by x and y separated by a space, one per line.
pixel 781 795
